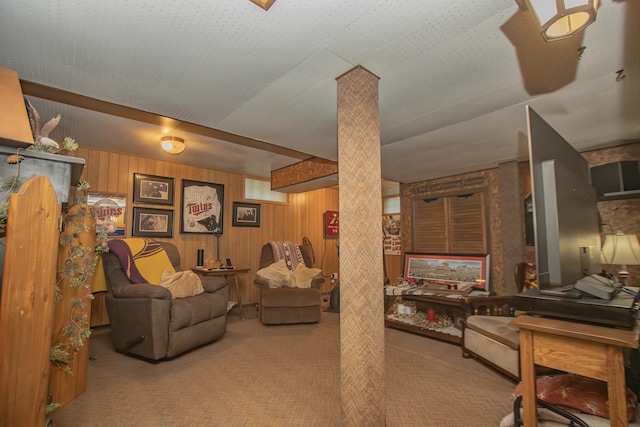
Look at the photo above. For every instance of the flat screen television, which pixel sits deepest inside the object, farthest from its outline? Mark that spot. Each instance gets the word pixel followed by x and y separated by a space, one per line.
pixel 565 210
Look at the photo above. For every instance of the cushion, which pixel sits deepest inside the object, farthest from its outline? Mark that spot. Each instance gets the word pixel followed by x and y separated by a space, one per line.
pixel 303 276
pixel 277 274
pixel 497 328
pixel 181 284
pixel 586 395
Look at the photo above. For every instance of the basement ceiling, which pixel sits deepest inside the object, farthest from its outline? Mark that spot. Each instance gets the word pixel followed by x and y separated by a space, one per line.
pixel 252 90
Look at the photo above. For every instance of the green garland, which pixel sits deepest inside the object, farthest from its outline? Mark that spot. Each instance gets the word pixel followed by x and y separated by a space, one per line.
pixel 78 269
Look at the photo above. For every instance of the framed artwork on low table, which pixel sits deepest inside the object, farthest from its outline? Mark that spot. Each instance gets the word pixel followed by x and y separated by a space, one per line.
pixel 152 189
pixel 448 272
pixel 246 214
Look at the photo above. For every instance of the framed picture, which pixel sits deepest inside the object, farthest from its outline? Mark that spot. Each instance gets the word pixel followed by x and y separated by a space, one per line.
pixel 246 214
pixel 445 271
pixel 157 190
pixel 149 222
pixel 202 207
pixel 110 209
pixel 392 237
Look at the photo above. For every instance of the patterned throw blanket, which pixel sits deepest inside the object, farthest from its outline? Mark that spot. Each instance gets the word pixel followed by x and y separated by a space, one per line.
pixel 289 252
pixel 143 260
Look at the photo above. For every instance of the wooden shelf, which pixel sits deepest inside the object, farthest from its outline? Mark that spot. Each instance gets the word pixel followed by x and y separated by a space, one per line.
pixel 456 308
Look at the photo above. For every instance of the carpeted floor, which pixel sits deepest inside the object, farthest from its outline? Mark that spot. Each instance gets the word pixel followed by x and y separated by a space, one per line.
pixel 282 376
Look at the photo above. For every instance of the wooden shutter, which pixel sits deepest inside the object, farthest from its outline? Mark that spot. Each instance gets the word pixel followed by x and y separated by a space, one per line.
pixel 430 227
pixel 467 224
pixel 451 224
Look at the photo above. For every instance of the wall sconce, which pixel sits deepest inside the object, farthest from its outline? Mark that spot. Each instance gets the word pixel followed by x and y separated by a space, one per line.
pixel 559 19
pixel 172 144
pixel 621 249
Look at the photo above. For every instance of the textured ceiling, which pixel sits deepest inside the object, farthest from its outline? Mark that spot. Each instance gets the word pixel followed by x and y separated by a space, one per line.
pixel 455 77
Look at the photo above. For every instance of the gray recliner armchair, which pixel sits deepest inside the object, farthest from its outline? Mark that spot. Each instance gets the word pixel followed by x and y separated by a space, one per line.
pixel 287 305
pixel 146 321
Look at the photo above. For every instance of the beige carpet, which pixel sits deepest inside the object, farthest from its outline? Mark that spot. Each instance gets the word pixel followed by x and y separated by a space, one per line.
pixel 283 376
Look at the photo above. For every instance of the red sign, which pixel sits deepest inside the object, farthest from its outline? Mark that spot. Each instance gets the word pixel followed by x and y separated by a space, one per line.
pixel 331 224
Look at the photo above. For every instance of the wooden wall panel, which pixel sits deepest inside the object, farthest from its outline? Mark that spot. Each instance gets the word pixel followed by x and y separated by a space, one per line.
pixel 301 217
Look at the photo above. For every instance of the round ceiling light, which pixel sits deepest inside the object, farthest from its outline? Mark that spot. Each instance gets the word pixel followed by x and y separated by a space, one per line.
pixel 172 144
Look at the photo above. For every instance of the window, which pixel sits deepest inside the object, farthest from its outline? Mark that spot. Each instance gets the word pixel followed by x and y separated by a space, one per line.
pixel 260 189
pixel 391 205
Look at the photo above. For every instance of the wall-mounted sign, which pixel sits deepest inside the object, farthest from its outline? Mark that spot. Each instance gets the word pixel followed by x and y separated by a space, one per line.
pixel 110 212
pixel 331 224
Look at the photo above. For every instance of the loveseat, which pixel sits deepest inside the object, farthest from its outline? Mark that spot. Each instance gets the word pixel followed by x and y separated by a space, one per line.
pixel 147 320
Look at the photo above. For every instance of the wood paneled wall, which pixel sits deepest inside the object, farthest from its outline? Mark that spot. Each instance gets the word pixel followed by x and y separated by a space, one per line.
pixel 301 217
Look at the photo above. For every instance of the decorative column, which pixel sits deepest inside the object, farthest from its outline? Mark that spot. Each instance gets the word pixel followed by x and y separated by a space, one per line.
pixel 361 264
pixel 512 220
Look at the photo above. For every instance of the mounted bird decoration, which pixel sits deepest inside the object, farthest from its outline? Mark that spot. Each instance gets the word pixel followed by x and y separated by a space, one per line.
pixel 41 140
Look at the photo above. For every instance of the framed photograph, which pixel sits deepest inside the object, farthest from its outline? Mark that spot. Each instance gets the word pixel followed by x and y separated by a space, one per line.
pixel 157 190
pixel 246 214
pixel 448 272
pixel 149 222
pixel 110 209
pixel 202 207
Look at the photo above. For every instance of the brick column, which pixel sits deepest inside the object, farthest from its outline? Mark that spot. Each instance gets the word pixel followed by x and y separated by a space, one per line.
pixel 361 265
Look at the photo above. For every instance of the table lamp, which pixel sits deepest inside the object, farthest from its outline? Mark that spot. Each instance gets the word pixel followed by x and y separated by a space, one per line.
pixel 621 249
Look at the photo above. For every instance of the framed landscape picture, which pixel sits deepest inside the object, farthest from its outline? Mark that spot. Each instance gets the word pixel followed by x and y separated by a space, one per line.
pixel 246 214
pixel 152 222
pixel 448 271
pixel 152 189
pixel 202 207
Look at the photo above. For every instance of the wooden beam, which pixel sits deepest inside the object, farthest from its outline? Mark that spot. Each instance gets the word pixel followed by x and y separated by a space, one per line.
pixel 69 98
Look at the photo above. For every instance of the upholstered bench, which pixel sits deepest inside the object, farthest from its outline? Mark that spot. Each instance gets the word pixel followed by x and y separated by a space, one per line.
pixel 493 340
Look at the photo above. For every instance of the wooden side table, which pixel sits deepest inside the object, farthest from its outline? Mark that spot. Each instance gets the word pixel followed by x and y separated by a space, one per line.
pixel 227 273
pixel 579 348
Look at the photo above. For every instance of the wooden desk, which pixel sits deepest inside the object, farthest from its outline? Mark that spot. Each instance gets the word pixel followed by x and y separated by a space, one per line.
pixel 226 273
pixel 587 350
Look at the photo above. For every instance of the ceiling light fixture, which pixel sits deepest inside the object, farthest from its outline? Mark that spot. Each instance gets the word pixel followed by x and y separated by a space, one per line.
pixel 265 4
pixel 172 144
pixel 559 19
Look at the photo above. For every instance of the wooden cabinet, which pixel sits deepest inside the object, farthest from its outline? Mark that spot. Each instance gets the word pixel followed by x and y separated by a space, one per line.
pixel 450 312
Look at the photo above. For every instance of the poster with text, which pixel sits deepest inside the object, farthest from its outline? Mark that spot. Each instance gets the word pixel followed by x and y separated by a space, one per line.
pixel 110 210
pixel 392 239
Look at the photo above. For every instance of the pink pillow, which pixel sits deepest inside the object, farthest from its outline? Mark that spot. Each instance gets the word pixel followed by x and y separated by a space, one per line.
pixel 583 394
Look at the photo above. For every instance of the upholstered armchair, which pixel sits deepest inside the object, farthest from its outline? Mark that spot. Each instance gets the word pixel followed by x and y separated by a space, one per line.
pixel 161 321
pixel 286 302
pixel 487 333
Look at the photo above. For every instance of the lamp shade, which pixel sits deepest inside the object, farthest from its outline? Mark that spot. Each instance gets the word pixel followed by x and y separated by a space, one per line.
pixel 559 19
pixel 621 249
pixel 172 144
